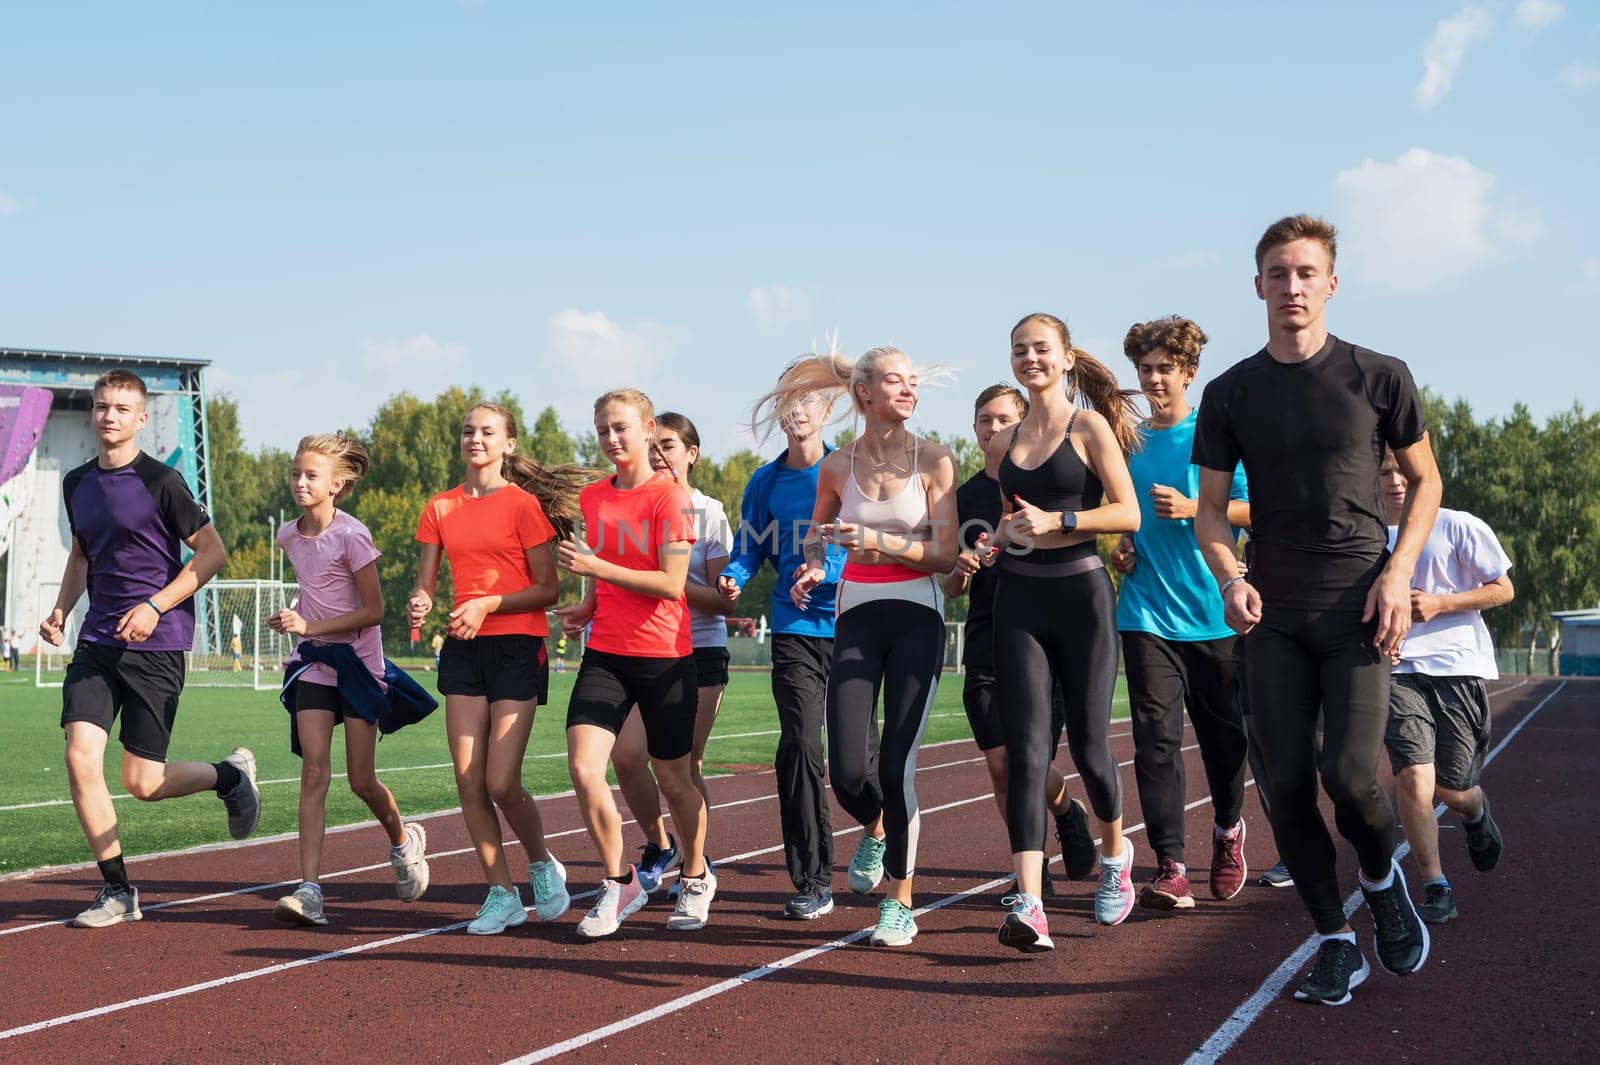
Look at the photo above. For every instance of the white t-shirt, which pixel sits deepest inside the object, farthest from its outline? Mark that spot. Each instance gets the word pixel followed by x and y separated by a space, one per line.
pixel 713 540
pixel 1461 554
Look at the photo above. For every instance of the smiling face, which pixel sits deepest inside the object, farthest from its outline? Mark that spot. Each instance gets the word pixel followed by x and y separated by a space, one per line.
pixel 809 414
pixel 118 415
pixel 624 434
pixel 890 391
pixel 484 439
pixel 671 453
pixel 1296 282
pixel 1162 378
pixel 1039 359
pixel 311 479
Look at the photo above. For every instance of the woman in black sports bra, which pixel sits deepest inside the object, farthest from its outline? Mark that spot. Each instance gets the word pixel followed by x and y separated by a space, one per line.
pixel 1064 479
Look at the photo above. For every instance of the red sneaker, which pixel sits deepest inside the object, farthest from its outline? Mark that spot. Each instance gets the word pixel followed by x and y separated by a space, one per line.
pixel 1228 867
pixel 1169 890
pixel 1025 927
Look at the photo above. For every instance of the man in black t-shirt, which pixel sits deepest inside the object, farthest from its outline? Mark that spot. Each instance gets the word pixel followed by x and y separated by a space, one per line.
pixel 1325 604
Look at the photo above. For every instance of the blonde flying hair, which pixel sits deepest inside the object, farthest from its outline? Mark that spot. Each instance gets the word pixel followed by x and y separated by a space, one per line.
pixel 1091 381
pixel 831 374
pixel 345 454
pixel 556 487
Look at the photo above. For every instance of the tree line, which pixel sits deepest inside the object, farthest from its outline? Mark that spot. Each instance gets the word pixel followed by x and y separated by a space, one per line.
pixel 1537 485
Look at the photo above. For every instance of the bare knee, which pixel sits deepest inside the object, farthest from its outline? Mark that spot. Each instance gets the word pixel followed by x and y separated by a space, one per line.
pixel 144 786
pixel 366 787
pixel 83 765
pixel 1415 782
pixel 629 762
pixel 505 789
pixel 1459 801
pixel 588 779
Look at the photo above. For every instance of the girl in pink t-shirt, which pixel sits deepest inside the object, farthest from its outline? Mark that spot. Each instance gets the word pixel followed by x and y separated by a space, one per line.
pixel 340 602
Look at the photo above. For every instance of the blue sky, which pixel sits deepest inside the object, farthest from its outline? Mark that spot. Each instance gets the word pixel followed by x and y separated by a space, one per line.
pixel 336 202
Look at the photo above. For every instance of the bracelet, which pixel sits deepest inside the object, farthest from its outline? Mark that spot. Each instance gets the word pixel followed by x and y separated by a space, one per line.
pixel 1229 583
pixel 151 603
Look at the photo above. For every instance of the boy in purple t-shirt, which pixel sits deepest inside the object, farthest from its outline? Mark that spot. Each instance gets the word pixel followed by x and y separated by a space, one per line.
pixel 128 514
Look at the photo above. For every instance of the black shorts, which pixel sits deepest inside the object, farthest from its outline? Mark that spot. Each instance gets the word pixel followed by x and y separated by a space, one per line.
pixel 977 698
pixel 664 689
pixel 141 685
pixel 711 666
pixel 511 668
pixel 309 696
pixel 1439 720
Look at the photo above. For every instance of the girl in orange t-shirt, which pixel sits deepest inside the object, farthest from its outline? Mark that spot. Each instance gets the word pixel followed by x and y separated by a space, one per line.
pixel 493 671
pixel 638 531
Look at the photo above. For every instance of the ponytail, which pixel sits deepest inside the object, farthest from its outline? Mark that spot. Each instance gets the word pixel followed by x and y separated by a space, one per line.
pixel 556 487
pixel 1094 382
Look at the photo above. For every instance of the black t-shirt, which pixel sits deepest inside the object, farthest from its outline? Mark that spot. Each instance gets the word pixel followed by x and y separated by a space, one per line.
pixel 1311 437
pixel 978 511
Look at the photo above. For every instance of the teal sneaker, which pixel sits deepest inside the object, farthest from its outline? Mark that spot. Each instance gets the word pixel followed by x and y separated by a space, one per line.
pixel 895 926
pixel 500 911
pixel 866 865
pixel 549 882
pixel 1113 896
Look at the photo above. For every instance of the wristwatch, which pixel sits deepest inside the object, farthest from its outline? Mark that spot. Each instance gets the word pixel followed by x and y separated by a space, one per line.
pixel 1069 521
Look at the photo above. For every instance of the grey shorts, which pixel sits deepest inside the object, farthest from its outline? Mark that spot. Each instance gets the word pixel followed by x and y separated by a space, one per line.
pixel 1443 720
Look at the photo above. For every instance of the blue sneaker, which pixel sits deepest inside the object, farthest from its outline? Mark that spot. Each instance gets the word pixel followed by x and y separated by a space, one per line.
pixel 655 863
pixel 500 911
pixel 549 883
pixel 1113 896
pixel 866 866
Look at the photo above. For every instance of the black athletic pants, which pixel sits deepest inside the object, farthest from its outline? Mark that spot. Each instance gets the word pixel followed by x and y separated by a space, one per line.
pixel 1165 676
pixel 1297 663
pixel 1064 625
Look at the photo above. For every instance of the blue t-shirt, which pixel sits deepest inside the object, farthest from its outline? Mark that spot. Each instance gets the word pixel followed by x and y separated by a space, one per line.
pixel 1171 592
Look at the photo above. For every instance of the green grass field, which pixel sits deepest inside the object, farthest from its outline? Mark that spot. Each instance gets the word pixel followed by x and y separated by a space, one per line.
pixel 414 763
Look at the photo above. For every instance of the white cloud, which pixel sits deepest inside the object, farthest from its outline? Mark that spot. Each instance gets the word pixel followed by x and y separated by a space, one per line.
pixel 8 204
pixel 1575 76
pixel 1447 48
pixel 418 352
pixel 1536 15
pixel 594 350
pixel 777 305
pixel 1425 219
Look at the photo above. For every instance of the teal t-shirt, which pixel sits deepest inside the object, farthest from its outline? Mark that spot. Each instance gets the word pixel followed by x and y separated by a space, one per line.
pixel 1170 592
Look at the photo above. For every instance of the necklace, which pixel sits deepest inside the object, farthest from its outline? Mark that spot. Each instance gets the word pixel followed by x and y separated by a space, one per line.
pixel 876 463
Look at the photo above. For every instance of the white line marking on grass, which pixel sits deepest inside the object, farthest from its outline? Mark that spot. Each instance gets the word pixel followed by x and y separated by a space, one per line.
pixel 1249 1011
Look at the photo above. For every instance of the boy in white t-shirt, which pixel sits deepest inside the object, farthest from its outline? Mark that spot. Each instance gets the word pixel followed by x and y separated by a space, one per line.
pixel 1438 732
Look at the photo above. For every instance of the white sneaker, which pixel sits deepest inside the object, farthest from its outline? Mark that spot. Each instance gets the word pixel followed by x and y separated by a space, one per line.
pixel 694 902
pixel 303 907
pixel 411 864
pixel 615 904
pixel 112 906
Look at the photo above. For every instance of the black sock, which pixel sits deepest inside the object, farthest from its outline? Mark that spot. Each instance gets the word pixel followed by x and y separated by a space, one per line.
pixel 114 872
pixel 228 777
pixel 628 879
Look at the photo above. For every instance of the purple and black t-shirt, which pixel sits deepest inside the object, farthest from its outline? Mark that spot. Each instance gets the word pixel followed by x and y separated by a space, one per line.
pixel 130 523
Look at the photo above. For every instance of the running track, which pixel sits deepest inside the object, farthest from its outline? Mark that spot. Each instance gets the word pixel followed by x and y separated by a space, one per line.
pixel 218 979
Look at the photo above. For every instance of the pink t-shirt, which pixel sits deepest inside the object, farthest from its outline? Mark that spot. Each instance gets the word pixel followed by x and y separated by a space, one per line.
pixel 325 567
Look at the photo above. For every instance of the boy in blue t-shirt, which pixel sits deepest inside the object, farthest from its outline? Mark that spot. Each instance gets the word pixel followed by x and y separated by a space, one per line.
pixel 1177 649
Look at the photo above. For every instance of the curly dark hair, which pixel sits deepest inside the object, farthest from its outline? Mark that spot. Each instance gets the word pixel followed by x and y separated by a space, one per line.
pixel 1180 337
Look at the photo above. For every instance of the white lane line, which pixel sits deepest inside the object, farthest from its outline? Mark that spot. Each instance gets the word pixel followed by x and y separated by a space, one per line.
pixel 251 974
pixel 257 841
pixel 1249 1011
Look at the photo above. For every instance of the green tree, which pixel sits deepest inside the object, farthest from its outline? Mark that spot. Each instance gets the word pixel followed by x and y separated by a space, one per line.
pixel 549 442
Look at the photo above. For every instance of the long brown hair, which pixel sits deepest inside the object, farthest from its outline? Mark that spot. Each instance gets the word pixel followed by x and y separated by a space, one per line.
pixel 556 487
pixel 1094 381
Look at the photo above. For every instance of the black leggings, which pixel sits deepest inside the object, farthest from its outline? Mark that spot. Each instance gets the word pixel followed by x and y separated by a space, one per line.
pixel 897 646
pixel 1298 662
pixel 1065 625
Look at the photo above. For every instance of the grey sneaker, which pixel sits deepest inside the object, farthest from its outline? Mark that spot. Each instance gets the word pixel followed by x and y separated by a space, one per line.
pixel 303 907
pixel 1277 876
pixel 244 801
pixel 113 905
pixel 411 864
pixel 694 902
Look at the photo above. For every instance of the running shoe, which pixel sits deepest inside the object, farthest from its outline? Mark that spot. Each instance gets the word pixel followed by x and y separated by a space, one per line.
pixel 1113 897
pixel 1077 842
pixel 895 925
pixel 1340 968
pixel 410 864
pixel 115 903
pixel 549 883
pixel 1438 904
pixel 866 865
pixel 303 907
pixel 1169 890
pixel 655 863
pixel 616 902
pixel 810 904
pixel 694 902
pixel 1047 887
pixel 1484 842
pixel 500 911
pixel 1229 870
pixel 243 801
pixel 1401 941
pixel 677 885
pixel 1277 876
pixel 1025 927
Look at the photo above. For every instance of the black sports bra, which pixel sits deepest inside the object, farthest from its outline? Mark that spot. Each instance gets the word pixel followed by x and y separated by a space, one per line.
pixel 1061 482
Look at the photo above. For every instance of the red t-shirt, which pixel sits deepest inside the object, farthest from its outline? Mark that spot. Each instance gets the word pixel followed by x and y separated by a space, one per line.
pixel 628 528
pixel 486 541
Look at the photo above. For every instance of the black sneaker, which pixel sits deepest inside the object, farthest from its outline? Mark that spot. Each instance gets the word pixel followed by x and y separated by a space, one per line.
pixel 1438 904
pixel 1484 842
pixel 1402 940
pixel 1340 968
pixel 809 905
pixel 1078 853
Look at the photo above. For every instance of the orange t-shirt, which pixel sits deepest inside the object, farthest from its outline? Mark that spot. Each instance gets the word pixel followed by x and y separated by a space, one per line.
pixel 486 540
pixel 628 528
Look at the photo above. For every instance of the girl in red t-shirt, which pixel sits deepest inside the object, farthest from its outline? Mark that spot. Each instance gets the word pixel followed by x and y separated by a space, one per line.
pixel 493 671
pixel 638 531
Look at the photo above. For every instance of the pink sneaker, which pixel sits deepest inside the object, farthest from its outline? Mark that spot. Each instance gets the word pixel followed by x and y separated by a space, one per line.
pixel 1169 890
pixel 1025 927
pixel 612 907
pixel 1114 895
pixel 1228 868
